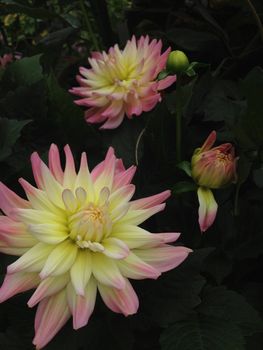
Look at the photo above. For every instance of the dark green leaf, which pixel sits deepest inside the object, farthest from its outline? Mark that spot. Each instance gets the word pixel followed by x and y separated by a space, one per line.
pixel 191 40
pixel 10 6
pixel 230 306
pixel 258 177
pixel 57 38
pixel 10 131
pixel 186 167
pixel 184 186
pixel 125 141
pixel 177 292
pixel 252 121
pixel 25 71
pixel 202 333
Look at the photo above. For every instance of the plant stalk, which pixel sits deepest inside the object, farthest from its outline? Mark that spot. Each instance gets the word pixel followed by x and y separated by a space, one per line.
pixel 178 116
pixel 256 17
pixel 88 26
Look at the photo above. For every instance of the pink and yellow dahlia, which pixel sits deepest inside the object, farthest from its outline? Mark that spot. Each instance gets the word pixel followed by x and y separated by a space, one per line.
pixel 122 82
pixel 77 233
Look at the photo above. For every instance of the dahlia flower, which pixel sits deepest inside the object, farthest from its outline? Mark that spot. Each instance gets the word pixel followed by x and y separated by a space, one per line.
pixel 77 233
pixel 4 60
pixel 122 82
pixel 212 167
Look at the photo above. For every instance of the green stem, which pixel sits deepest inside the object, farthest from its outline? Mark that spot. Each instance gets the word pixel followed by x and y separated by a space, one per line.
pixel 236 208
pixel 257 18
pixel 88 26
pixel 178 115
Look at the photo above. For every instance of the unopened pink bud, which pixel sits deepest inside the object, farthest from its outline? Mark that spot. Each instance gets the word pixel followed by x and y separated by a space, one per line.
pixel 214 167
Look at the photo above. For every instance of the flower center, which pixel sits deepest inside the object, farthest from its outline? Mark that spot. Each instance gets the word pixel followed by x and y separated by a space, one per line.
pixel 222 157
pixel 90 223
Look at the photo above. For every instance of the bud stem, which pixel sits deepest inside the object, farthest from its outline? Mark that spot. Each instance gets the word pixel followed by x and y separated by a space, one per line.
pixel 178 114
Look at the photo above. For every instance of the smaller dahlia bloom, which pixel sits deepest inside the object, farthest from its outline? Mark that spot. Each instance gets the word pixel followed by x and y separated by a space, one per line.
pixel 122 82
pixel 4 60
pixel 212 167
pixel 78 234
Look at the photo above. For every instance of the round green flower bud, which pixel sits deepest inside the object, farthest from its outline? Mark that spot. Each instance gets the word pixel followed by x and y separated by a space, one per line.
pixel 177 62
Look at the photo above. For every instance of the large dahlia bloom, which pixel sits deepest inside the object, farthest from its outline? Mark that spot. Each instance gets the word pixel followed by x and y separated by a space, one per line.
pixel 122 82
pixel 76 234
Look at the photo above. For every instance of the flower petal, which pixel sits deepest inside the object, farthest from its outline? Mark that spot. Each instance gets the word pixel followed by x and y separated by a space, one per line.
pixel 82 307
pixel 136 237
pixel 106 271
pixel 149 202
pixel 163 258
pixel 115 248
pixel 52 313
pixel 33 260
pixel 80 271
pixel 207 208
pixel 9 200
pixel 136 268
pixel 136 217
pixel 60 259
pixel 49 233
pixel 54 163
pixel 14 234
pixel 123 301
pixel 16 283
pixel 48 287
pixel 166 82
pixel 70 172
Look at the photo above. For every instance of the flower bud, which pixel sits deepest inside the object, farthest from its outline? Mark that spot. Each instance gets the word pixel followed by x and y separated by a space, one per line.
pixel 177 62
pixel 214 167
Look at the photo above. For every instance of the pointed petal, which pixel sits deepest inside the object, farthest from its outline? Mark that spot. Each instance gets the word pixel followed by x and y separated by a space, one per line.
pixel 60 259
pixel 103 175
pixel 106 271
pixel 115 248
pixel 166 82
pixel 135 268
pixel 136 217
pixel 49 233
pixel 52 187
pixel 136 237
pixel 70 172
pixel 123 301
pixel 33 216
pixel 9 200
pixel 81 271
pixel 54 163
pixel 209 142
pixel 123 178
pixel 16 283
pixel 163 258
pixel 36 167
pixel 82 307
pixel 148 202
pixel 52 313
pixel 207 208
pixel 38 198
pixel 14 234
pixel 48 287
pixel 84 179
pixel 33 260
pixel 121 196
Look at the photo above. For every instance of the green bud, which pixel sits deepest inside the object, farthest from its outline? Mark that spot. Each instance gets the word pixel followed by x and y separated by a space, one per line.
pixel 177 62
